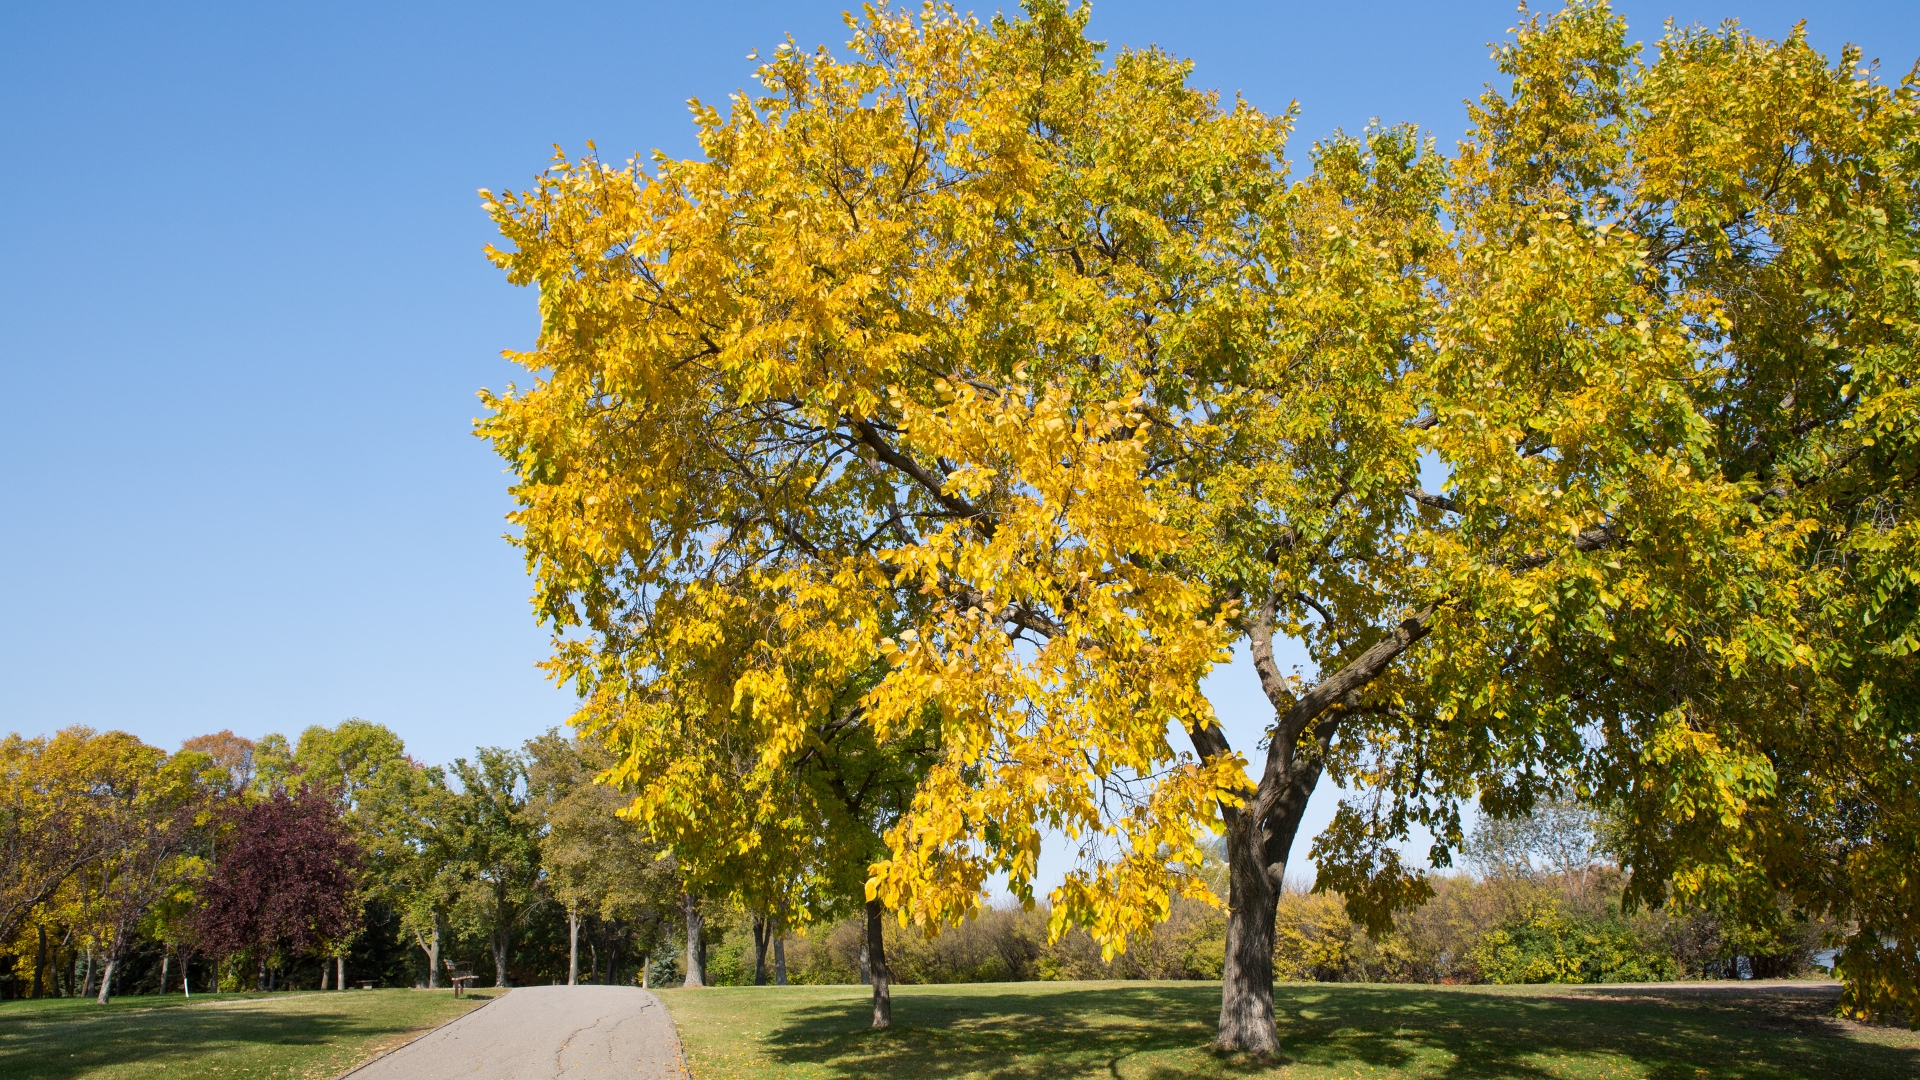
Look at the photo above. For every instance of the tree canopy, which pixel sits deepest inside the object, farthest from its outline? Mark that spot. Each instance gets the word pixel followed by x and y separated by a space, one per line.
pixel 1580 461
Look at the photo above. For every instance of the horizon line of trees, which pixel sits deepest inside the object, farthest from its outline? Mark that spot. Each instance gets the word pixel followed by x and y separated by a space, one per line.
pixel 235 865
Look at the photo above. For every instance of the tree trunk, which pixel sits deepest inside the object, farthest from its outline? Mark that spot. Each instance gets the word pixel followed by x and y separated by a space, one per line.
pixel 866 965
pixel 877 966
pixel 106 977
pixel 573 945
pixel 40 962
pixel 433 955
pixel 324 972
pixel 1257 853
pixel 86 982
pixel 339 973
pixel 646 972
pixel 696 943
pixel 500 944
pixel 780 957
pixel 166 962
pixel 1246 984
pixel 761 926
pixel 613 964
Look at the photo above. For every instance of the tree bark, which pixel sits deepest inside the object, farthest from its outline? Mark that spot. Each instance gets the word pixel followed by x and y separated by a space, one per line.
pixel 696 943
pixel 780 956
pixel 761 926
pixel 866 965
pixel 877 966
pixel 339 973
pixel 324 972
pixel 433 955
pixel 86 983
pixel 573 945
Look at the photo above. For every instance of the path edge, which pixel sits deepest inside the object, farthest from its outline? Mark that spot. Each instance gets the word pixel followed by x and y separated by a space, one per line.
pixel 679 1048
pixel 392 1050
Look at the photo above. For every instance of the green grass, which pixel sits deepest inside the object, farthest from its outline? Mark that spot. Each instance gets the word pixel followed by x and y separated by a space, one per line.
pixel 1159 1031
pixel 216 1037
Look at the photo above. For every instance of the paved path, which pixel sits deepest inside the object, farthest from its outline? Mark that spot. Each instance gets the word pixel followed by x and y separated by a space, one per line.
pixel 546 1033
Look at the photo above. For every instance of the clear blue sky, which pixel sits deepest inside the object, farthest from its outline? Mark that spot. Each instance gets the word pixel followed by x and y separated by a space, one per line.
pixel 243 313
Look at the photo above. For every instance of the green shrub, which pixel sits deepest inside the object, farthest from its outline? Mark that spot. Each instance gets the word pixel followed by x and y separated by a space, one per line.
pixel 1549 946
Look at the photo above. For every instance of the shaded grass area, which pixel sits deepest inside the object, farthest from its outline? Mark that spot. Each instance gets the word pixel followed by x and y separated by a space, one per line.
pixel 224 1036
pixel 1159 1031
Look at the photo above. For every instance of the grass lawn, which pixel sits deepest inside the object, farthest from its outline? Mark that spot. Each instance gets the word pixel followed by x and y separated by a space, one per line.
pixel 1159 1031
pixel 222 1037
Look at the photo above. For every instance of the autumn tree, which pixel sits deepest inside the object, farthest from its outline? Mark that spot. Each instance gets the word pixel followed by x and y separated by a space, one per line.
pixel 284 877
pixel 51 796
pixel 1036 381
pixel 788 836
pixel 159 813
pixel 229 752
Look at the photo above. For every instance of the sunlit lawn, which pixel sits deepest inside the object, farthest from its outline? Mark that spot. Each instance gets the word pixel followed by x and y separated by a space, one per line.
pixel 227 1036
pixel 1158 1031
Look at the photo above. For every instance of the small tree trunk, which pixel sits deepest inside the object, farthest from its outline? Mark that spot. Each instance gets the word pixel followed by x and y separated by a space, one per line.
pixel 760 936
pixel 877 966
pixel 866 967
pixel 40 962
pixel 166 960
pixel 339 973
pixel 86 982
pixel 780 957
pixel 696 943
pixel 260 977
pixel 573 945
pixel 433 955
pixel 324 971
pixel 500 944
pixel 646 972
pixel 106 978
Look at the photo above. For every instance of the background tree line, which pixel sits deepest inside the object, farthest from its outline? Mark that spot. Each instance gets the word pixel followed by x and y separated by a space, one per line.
pixel 234 864
pixel 242 865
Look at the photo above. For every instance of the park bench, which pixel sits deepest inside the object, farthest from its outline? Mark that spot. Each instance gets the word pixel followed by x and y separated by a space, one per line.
pixel 459 977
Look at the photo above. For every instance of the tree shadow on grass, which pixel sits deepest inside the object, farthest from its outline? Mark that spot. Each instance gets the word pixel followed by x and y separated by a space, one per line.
pixel 1160 1032
pixel 58 1046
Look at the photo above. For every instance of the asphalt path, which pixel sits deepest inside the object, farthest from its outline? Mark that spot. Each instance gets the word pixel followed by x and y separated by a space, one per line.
pixel 545 1033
